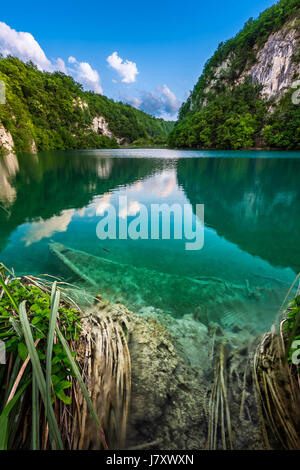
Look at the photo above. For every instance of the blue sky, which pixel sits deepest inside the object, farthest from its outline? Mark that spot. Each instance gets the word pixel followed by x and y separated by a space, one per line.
pixel 166 43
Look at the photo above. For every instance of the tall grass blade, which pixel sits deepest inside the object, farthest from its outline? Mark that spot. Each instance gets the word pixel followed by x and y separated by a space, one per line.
pixel 37 371
pixel 3 432
pixel 5 414
pixel 16 327
pixel 35 438
pixel 54 305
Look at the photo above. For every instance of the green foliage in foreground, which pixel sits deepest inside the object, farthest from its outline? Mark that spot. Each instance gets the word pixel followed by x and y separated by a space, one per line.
pixel 291 328
pixel 39 369
pixel 38 308
pixel 54 111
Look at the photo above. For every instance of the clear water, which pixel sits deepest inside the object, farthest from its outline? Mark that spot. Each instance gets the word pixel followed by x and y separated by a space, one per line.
pixel 251 253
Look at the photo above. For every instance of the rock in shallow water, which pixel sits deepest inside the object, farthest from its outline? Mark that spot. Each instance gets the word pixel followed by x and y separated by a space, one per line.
pixel 173 372
pixel 168 396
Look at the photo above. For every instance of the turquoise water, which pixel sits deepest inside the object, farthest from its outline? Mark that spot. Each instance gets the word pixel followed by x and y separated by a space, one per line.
pixel 251 251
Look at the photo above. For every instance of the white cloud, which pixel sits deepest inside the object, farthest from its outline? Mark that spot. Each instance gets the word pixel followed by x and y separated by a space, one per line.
pixel 161 103
pixel 135 102
pixel 61 66
pixel 131 209
pixel 103 204
pixel 23 46
pixel 171 103
pixel 83 73
pixel 45 229
pixel 158 186
pixel 168 183
pixel 126 69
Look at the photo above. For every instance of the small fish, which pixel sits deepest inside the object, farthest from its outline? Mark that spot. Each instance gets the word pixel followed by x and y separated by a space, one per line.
pixel 105 250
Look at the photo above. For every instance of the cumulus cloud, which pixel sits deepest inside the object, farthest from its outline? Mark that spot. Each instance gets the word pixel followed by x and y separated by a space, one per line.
pixel 61 66
pixel 131 209
pixel 83 73
pixel 151 102
pixel 126 69
pixel 135 102
pixel 170 102
pixel 161 103
pixel 23 46
pixel 103 203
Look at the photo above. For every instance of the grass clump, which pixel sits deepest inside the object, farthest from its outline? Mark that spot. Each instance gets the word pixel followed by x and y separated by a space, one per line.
pixel 291 329
pixel 277 376
pixel 41 376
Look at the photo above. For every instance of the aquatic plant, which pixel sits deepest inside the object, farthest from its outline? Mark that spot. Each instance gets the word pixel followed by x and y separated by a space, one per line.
pixel 277 380
pixel 41 381
pixel 218 407
pixel 291 328
pixel 107 364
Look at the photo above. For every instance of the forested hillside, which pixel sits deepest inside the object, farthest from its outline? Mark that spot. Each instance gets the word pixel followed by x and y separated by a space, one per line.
pixel 243 98
pixel 47 111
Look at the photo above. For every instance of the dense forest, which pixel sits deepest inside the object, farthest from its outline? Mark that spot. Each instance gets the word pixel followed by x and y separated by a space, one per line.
pixel 226 109
pixel 225 112
pixel 52 110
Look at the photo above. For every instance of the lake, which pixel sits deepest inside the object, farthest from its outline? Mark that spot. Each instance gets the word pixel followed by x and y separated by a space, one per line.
pixel 251 252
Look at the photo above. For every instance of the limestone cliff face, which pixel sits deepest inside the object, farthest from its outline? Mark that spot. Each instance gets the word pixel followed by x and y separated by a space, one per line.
pixel 6 141
pixel 275 68
pixel 100 126
pixel 99 123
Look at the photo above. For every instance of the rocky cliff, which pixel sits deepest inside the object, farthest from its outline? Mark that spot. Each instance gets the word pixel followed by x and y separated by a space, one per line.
pixel 6 140
pixel 246 96
pixel 275 68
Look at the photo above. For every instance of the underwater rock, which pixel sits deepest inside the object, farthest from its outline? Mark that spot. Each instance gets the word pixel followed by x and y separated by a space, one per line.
pixel 168 401
pixel 190 337
pixel 173 375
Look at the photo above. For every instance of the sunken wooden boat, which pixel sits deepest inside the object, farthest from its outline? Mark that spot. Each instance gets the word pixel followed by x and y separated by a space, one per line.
pixel 208 298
